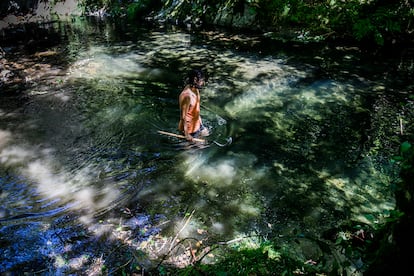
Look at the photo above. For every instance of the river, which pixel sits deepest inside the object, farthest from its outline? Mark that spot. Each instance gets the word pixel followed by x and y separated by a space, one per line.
pixel 304 135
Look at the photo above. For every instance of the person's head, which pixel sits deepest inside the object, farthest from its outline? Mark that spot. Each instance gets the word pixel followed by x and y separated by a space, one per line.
pixel 196 78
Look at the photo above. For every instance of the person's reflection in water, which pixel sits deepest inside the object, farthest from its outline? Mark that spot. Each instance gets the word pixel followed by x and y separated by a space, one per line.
pixel 190 123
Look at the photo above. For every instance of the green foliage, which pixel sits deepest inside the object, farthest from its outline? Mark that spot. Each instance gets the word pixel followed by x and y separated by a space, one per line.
pixel 407 156
pixel 264 260
pixel 355 241
pixel 362 28
pixel 375 21
pixel 131 8
pixel 136 8
pixel 405 189
pixel 394 239
pixel 368 21
pixel 383 21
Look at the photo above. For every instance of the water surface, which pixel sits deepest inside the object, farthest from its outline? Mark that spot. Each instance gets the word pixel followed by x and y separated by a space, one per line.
pixel 86 179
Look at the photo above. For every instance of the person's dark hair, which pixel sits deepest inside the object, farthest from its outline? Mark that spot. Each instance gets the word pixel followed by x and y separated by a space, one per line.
pixel 195 73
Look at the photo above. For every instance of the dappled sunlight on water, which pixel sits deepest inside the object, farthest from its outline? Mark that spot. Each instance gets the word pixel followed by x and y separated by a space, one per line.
pixel 56 189
pixel 99 64
pixel 83 157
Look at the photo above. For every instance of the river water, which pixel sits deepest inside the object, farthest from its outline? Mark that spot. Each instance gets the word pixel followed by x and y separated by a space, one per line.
pixel 86 181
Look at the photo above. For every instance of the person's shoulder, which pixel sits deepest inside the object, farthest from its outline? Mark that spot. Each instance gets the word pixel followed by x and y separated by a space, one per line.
pixel 186 92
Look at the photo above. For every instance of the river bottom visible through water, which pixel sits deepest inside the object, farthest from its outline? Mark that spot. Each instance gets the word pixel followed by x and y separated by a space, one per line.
pixel 88 184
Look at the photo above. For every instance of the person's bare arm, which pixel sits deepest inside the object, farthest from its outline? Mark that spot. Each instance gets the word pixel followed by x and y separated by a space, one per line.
pixel 185 106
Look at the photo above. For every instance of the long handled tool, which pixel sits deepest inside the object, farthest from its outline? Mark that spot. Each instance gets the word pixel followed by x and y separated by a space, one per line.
pixel 181 136
pixel 228 140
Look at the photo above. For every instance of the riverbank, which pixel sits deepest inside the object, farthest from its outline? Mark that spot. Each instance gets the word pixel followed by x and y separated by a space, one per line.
pixel 38 13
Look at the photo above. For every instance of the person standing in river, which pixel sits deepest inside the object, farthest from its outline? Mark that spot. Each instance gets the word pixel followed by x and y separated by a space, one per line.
pixel 190 123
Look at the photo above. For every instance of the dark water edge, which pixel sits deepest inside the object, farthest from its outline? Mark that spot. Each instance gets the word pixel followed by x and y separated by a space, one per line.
pixel 67 236
pixel 394 64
